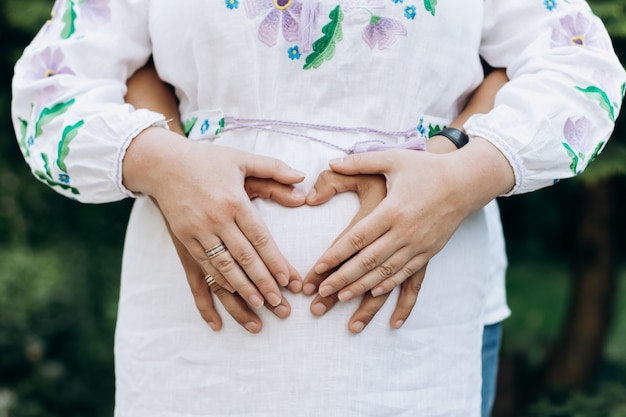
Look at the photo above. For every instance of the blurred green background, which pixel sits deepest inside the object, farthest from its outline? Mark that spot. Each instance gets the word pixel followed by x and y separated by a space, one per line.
pixel 564 348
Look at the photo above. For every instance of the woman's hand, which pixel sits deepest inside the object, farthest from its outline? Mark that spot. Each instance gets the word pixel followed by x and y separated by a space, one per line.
pixel 200 191
pixel 371 190
pixel 428 196
pixel 232 302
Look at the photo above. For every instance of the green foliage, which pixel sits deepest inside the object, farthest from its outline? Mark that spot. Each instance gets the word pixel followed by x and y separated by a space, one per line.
pixel 56 330
pixel 613 14
pixel 608 400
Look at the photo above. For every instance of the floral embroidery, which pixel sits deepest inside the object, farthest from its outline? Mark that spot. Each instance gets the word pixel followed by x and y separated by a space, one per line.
pixel 578 143
pixel 550 4
pixel 409 12
pixel 69 133
pixel 382 31
pixel 48 64
pixel 66 13
pixel 324 48
pixel 294 52
pixel 94 12
pixel 281 14
pixel 205 127
pixel 296 21
pixel 430 6
pixel 599 94
pixel 579 31
pixel 232 4
pixel 29 135
pixel 188 125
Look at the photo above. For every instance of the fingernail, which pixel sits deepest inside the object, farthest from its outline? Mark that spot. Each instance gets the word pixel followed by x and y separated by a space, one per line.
pixel 312 193
pixel 281 311
pixel 336 161
pixel 398 324
pixel 309 289
pixel 282 279
pixel 357 327
pixel 345 296
pixel 252 327
pixel 214 326
pixel 377 291
pixel 297 173
pixel 320 268
pixel 255 301
pixel 318 309
pixel 297 193
pixel 326 290
pixel 295 286
pixel 274 299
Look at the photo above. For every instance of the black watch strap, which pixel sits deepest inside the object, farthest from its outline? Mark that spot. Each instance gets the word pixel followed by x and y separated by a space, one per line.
pixel 457 137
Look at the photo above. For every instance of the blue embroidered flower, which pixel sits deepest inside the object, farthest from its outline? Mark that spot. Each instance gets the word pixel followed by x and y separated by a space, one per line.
pixel 421 129
pixel 550 4
pixel 64 178
pixel 409 12
pixel 205 127
pixel 30 141
pixel 232 4
pixel 294 52
pixel 397 1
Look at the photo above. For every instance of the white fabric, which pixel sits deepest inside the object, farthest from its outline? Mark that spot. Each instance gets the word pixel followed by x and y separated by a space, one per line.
pixel 393 63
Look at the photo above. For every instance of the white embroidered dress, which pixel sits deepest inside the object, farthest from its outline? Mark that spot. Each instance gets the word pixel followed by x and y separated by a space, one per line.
pixel 393 66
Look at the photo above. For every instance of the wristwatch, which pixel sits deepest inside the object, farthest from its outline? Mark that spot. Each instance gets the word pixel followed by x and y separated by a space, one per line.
pixel 457 137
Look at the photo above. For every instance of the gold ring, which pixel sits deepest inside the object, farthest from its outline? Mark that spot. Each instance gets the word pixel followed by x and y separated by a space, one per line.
pixel 215 250
pixel 209 280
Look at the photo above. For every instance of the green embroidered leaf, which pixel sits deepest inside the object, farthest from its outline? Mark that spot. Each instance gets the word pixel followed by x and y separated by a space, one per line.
pixel 49 113
pixel 596 152
pixel 188 125
pixel 324 47
pixel 623 89
pixel 22 139
pixel 69 133
pixel 68 19
pixel 596 93
pixel 219 129
pixel 433 130
pixel 430 6
pixel 53 183
pixel 574 165
pixel 46 165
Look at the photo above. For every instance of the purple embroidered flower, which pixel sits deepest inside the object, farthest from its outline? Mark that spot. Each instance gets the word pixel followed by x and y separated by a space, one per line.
pixel 294 52
pixel 232 4
pixel 578 30
pixel 579 135
pixel 279 15
pixel 48 64
pixel 409 12
pixel 550 4
pixel 95 12
pixel 382 31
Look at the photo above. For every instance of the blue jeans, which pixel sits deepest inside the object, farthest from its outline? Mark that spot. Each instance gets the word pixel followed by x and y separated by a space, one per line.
pixel 492 336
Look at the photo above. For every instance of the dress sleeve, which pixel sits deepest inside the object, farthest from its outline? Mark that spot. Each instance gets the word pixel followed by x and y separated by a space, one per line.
pixel 557 112
pixel 68 108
